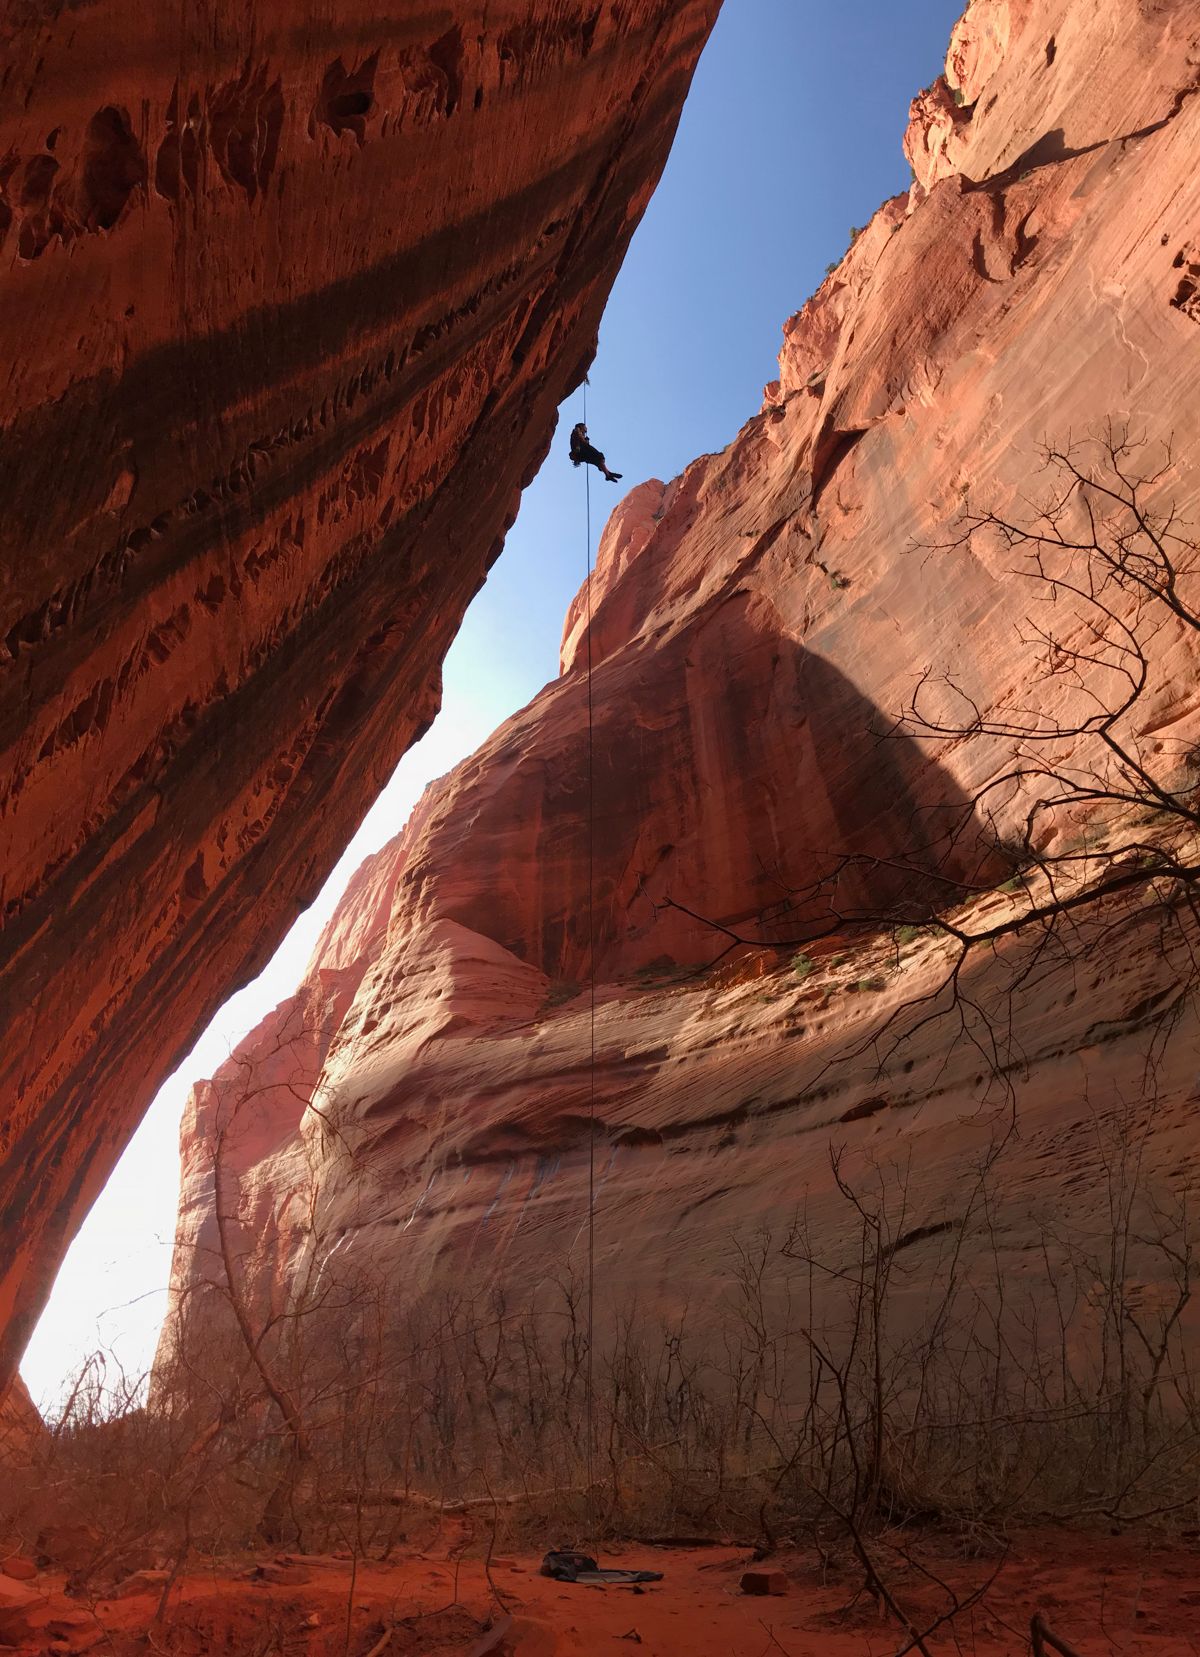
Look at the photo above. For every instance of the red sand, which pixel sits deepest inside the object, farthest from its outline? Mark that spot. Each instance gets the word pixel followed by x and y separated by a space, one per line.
pixel 1106 1595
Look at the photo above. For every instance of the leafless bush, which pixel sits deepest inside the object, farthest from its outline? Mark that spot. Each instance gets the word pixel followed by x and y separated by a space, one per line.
pixel 865 1376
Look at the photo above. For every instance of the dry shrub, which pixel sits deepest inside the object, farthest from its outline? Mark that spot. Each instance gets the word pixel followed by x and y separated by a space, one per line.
pixel 898 1376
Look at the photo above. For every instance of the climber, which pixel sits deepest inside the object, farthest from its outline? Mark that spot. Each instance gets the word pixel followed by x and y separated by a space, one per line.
pixel 582 453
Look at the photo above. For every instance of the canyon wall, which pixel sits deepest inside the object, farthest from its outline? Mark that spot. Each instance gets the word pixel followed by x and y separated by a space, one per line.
pixel 20 1423
pixel 288 300
pixel 759 629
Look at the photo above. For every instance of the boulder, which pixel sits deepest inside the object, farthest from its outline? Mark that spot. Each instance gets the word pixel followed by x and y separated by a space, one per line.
pixel 764 1582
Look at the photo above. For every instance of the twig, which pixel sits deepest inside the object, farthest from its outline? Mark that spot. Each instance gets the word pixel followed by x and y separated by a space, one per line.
pixel 1044 1639
pixel 382 1643
pixel 954 1610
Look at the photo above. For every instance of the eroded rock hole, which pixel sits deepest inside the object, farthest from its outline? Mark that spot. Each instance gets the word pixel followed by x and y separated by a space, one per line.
pixel 245 119
pixel 1186 295
pixel 433 79
pixel 113 168
pixel 177 165
pixel 446 55
pixel 38 182
pixel 40 224
pixel 352 103
pixel 346 98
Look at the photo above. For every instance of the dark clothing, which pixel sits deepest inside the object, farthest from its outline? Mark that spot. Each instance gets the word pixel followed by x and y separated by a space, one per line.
pixel 584 454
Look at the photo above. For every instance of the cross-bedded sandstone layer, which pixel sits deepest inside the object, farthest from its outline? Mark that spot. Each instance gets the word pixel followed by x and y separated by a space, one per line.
pixel 288 298
pixel 758 628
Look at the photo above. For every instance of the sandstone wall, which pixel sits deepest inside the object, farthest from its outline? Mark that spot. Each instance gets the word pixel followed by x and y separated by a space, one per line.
pixel 759 626
pixel 289 295
pixel 21 1426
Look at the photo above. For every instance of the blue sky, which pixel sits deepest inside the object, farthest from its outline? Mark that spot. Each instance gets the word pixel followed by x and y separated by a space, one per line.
pixel 791 135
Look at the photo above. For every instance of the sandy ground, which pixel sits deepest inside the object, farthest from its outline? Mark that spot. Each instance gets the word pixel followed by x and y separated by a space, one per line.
pixel 1105 1595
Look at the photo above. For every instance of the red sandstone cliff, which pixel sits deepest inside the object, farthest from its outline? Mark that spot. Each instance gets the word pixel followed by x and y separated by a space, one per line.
pixel 759 625
pixel 20 1423
pixel 288 299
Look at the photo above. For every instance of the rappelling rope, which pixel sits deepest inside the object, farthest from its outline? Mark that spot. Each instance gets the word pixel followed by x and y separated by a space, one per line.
pixel 591 866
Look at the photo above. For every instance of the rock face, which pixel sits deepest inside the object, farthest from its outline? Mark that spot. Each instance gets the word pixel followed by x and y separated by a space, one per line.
pixel 288 302
pixel 20 1424
pixel 759 626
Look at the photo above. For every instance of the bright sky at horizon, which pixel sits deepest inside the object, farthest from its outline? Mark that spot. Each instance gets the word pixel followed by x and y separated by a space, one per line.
pixel 791 135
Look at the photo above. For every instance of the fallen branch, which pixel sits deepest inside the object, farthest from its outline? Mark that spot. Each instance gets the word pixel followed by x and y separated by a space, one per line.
pixel 464 1504
pixel 383 1642
pixel 493 1639
pixel 956 1608
pixel 1045 1640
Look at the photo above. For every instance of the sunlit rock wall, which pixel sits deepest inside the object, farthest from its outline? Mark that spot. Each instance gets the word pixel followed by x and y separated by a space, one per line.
pixel 759 626
pixel 288 299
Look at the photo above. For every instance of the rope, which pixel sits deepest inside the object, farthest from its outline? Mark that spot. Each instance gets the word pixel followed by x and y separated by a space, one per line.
pixel 591 935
